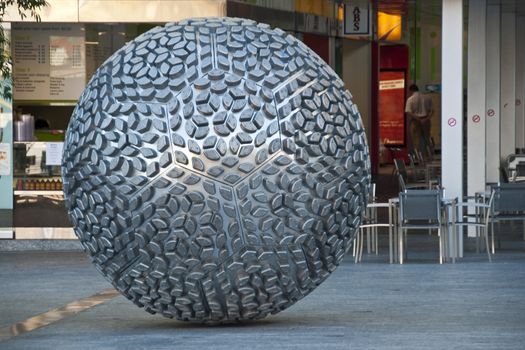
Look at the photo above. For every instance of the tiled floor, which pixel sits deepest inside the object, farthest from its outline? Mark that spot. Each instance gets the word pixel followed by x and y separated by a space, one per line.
pixel 472 304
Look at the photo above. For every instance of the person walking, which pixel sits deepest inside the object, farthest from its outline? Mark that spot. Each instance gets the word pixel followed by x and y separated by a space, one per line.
pixel 419 111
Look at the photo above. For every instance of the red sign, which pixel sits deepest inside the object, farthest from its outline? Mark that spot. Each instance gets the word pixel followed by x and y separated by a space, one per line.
pixel 392 107
pixel 476 118
pixel 452 122
pixel 491 112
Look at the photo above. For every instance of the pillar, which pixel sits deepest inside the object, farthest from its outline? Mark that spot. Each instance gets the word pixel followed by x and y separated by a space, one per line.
pixel 452 98
pixel 520 82
pixel 476 117
pixel 508 84
pixel 452 102
pixel 492 105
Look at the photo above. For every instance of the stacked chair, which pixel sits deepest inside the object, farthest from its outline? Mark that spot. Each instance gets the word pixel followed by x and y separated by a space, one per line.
pixel 404 179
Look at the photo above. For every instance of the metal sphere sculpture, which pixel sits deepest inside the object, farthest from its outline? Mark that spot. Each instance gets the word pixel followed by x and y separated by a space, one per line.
pixel 215 170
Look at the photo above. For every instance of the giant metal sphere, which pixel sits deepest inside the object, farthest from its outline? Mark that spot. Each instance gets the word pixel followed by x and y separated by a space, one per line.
pixel 215 170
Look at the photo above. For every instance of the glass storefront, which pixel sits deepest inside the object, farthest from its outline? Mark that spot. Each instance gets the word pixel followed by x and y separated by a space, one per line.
pixel 53 61
pixel 42 107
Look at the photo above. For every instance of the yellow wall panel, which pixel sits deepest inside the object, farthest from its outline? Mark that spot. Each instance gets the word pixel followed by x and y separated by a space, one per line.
pixel 389 27
pixel 148 11
pixel 123 10
pixel 316 7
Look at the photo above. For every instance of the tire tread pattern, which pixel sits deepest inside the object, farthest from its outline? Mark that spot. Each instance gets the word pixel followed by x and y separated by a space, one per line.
pixel 215 170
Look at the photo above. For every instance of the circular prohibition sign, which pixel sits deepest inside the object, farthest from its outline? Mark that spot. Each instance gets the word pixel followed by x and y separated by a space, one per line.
pixel 476 118
pixel 452 122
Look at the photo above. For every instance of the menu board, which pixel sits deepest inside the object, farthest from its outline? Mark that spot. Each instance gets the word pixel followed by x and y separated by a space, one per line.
pixel 54 153
pixel 5 159
pixel 48 61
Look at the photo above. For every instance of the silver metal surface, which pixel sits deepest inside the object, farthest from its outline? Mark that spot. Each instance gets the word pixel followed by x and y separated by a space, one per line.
pixel 215 170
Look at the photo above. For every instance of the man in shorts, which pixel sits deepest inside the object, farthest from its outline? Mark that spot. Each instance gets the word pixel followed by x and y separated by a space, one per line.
pixel 419 110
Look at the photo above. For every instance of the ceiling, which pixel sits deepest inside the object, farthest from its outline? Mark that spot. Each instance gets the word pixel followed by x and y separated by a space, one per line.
pixel 434 6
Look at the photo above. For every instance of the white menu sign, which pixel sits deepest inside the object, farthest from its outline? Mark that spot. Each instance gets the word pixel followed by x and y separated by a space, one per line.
pixel 54 153
pixel 48 61
pixel 5 159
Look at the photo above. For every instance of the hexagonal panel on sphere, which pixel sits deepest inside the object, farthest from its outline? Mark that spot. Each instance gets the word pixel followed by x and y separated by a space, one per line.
pixel 215 170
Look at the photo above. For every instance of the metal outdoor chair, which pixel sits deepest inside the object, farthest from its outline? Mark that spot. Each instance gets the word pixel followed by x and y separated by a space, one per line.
pixel 504 175
pixel 519 173
pixel 421 209
pixel 369 217
pixel 418 170
pixel 401 169
pixel 403 179
pixel 509 205
pixel 403 186
pixel 419 156
pixel 371 223
pixel 475 212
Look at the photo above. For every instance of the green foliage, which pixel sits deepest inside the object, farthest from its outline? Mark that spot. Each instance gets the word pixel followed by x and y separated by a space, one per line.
pixel 26 9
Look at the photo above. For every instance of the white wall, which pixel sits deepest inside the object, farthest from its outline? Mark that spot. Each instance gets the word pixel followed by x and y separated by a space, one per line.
pixel 492 105
pixel 476 116
pixel 452 99
pixel 520 82
pixel 508 85
pixel 357 76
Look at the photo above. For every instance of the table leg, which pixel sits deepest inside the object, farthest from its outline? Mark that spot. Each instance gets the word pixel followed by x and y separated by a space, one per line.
pixel 376 234
pixel 455 237
pixel 396 233
pixel 390 221
pixel 400 242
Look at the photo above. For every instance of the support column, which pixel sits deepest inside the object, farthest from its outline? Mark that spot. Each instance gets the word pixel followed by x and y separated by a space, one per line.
pixel 476 117
pixel 373 142
pixel 492 92
pixel 520 82
pixel 452 98
pixel 508 84
pixel 452 102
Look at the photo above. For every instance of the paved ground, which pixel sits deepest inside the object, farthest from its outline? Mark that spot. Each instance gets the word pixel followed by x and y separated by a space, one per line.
pixel 420 305
pixel 472 304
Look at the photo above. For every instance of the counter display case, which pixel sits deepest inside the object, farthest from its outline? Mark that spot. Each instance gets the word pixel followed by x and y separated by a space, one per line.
pixel 31 172
pixel 43 102
pixel 39 210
